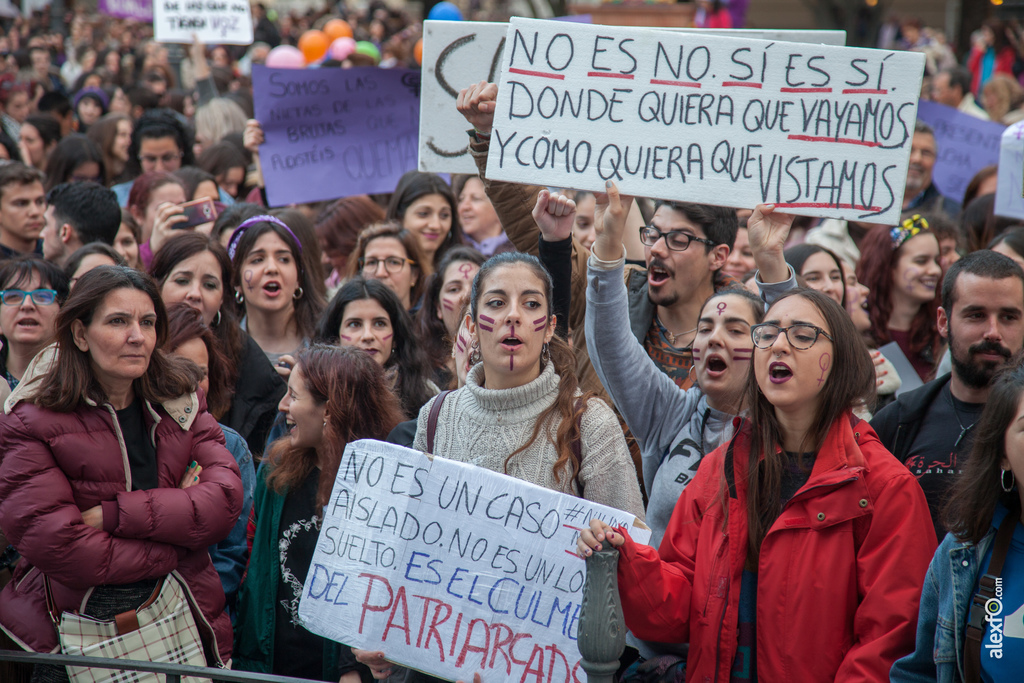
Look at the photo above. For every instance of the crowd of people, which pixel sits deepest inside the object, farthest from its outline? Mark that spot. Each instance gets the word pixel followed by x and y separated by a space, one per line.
pixel 183 368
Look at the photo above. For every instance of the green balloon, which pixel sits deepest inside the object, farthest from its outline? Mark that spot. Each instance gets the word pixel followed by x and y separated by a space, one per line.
pixel 369 49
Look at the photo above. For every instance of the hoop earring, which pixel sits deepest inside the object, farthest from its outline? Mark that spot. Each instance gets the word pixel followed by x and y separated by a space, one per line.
pixel 216 319
pixel 238 297
pixel 1002 480
pixel 298 293
pixel 691 372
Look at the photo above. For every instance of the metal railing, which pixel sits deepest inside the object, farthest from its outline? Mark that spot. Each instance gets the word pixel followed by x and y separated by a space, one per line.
pixel 172 672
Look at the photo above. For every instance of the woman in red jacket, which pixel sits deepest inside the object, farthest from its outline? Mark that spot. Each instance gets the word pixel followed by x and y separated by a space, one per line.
pixel 113 473
pixel 799 550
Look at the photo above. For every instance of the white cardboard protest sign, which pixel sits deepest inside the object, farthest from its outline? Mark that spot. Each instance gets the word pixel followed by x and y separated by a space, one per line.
pixel 449 568
pixel 215 22
pixel 457 54
pixel 1010 179
pixel 815 129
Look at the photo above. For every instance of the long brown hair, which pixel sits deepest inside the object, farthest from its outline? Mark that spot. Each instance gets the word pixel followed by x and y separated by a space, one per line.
pixel 184 324
pixel 70 380
pixel 972 501
pixel 360 405
pixel 850 382
pixel 567 409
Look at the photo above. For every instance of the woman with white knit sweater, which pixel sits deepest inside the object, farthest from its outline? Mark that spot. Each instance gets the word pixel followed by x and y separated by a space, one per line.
pixel 521 411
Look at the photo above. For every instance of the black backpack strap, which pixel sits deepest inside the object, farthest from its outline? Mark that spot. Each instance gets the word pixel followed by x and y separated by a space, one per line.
pixel 577 445
pixel 986 591
pixel 435 410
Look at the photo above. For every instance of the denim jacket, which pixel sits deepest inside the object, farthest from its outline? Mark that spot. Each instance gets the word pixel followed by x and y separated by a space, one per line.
pixel 945 601
pixel 231 556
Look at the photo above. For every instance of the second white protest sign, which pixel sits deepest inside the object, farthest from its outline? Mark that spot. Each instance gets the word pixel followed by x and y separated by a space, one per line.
pixel 817 130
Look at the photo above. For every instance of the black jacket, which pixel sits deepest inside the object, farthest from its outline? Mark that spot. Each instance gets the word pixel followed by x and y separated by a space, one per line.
pixel 898 423
pixel 258 391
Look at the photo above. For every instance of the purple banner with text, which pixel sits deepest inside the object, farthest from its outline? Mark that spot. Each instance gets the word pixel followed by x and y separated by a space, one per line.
pixel 966 145
pixel 335 132
pixel 140 10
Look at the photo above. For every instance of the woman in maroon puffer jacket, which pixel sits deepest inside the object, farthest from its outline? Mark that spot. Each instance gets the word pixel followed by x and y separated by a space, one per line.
pixel 112 473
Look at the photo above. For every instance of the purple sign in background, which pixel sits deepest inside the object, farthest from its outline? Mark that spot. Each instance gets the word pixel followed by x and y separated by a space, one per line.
pixel 966 145
pixel 335 132
pixel 140 10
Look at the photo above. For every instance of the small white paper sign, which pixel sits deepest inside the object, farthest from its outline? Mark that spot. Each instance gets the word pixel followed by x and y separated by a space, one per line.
pixel 215 22
pixel 1010 179
pixel 457 54
pixel 449 568
pixel 815 129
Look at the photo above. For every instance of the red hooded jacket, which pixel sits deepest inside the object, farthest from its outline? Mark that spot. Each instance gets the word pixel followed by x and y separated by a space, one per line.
pixel 55 465
pixel 839 573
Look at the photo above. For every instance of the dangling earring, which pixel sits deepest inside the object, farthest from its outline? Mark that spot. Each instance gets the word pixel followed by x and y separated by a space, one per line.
pixel 216 319
pixel 1002 480
pixel 545 353
pixel 298 293
pixel 474 353
pixel 238 297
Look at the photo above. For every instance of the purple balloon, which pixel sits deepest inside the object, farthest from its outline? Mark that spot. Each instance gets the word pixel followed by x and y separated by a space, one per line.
pixel 341 48
pixel 286 57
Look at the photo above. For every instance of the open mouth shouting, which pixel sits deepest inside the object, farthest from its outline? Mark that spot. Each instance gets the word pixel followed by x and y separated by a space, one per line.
pixel 657 274
pixel 272 288
pixel 715 366
pixel 779 373
pixel 511 343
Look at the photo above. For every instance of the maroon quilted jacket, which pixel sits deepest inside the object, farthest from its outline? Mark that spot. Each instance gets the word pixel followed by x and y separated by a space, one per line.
pixel 55 465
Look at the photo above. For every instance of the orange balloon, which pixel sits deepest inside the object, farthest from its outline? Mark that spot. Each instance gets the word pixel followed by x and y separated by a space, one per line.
pixel 337 28
pixel 417 51
pixel 313 45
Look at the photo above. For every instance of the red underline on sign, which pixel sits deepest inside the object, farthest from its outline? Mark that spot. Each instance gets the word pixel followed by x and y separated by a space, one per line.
pixel 740 84
pixel 866 91
pixel 846 141
pixel 805 89
pixel 570 526
pixel 681 84
pixel 826 205
pixel 524 72
pixel 572 553
pixel 604 74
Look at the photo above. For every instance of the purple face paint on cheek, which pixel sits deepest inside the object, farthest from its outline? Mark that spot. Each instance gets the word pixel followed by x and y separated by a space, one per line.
pixel 346 337
pixel 824 361
pixel 910 276
pixel 248 280
pixel 695 354
pixel 460 344
pixel 485 319
pixel 539 324
pixel 447 305
pixel 385 338
pixel 742 354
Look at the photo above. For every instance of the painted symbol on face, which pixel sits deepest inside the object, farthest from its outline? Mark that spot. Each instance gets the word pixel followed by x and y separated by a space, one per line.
pixel 387 337
pixel 721 308
pixel 485 319
pixel 447 305
pixel 540 323
pixel 460 344
pixel 248 280
pixel 742 354
pixel 824 361
pixel 696 355
pixel 346 337
pixel 466 269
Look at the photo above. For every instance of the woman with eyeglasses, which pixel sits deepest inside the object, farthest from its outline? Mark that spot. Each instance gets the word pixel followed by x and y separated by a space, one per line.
pixel 901 265
pixel 31 296
pixel 798 550
pixel 390 253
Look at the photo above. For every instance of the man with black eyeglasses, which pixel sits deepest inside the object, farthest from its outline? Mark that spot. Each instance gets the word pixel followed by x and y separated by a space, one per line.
pixel 160 142
pixel 931 429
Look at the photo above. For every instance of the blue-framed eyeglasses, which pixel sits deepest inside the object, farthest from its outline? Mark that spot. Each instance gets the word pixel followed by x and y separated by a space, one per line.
pixel 40 297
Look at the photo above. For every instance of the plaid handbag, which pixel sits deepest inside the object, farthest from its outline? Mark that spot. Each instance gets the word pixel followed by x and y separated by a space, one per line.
pixel 161 630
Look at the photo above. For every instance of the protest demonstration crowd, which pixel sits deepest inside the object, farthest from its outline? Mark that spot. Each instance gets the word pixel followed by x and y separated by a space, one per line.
pixel 220 275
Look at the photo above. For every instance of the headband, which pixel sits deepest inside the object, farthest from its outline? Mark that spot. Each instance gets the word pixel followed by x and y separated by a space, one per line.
pixel 909 228
pixel 236 236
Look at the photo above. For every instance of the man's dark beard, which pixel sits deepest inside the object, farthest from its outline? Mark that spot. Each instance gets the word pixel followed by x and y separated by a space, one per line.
pixel 975 375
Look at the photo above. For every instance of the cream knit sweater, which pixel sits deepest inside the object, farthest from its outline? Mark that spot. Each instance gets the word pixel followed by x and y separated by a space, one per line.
pixel 483 426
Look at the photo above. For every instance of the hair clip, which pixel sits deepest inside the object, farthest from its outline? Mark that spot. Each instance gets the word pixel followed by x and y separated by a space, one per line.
pixel 236 236
pixel 909 228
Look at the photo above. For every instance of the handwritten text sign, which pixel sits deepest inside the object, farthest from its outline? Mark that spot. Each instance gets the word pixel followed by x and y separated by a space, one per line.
pixel 449 568
pixel 139 10
pixel 1010 181
pixel 335 132
pixel 213 21
pixel 815 129
pixel 966 145
pixel 457 54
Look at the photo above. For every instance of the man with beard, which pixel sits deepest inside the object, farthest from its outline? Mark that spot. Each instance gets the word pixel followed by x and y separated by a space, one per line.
pixel 930 429
pixel 920 193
